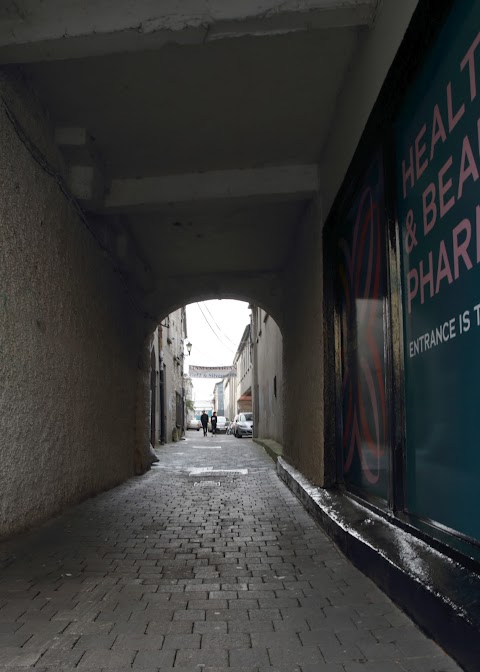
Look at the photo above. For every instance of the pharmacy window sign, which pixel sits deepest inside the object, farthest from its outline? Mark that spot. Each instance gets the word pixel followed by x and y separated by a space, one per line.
pixel 437 138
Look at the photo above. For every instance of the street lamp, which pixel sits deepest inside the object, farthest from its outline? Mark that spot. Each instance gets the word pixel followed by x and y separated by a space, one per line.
pixel 189 347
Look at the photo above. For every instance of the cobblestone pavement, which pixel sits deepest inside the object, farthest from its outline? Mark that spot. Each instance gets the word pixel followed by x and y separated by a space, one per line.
pixel 198 571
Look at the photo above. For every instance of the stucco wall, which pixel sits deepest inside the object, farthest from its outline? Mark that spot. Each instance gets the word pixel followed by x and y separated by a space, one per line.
pixel 303 350
pixel 71 345
pixel 269 361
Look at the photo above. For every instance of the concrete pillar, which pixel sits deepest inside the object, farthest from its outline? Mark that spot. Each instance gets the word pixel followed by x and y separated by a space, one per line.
pixel 303 352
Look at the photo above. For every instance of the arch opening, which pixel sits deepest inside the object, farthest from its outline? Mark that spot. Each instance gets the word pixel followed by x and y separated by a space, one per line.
pixel 234 366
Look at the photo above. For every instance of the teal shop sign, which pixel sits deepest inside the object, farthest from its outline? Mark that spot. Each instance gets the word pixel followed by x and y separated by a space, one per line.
pixel 437 136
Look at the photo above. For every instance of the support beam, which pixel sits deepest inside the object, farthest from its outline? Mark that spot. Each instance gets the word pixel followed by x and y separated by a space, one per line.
pixel 297 181
pixel 32 30
pixel 84 173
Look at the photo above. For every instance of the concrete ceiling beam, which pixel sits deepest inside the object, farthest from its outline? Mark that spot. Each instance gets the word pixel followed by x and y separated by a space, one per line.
pixel 85 175
pixel 33 30
pixel 297 181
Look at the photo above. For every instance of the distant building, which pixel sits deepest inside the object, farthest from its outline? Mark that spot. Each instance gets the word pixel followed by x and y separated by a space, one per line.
pixel 167 385
pixel 243 364
pixel 230 397
pixel 218 399
pixel 203 405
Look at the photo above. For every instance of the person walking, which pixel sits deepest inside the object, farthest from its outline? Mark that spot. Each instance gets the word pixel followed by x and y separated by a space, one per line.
pixel 204 421
pixel 214 422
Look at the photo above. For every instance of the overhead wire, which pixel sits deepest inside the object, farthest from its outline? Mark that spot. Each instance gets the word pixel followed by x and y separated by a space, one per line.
pixel 222 332
pixel 217 336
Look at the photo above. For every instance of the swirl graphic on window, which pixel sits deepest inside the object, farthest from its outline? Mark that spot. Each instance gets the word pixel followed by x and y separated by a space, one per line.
pixel 363 284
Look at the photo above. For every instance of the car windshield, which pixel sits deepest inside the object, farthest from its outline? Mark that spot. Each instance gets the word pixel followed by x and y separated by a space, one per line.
pixel 221 418
pixel 248 416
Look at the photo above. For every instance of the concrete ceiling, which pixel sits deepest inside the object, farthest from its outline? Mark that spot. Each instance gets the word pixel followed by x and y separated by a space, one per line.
pixel 228 104
pixel 197 126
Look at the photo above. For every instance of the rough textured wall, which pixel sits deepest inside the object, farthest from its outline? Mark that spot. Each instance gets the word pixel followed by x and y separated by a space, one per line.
pixel 303 350
pixel 71 345
pixel 270 366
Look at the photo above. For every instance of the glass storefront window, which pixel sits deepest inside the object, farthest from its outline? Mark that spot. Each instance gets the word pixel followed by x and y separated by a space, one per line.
pixel 362 289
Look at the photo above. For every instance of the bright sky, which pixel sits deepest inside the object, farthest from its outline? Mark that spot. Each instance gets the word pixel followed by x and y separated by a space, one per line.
pixel 214 328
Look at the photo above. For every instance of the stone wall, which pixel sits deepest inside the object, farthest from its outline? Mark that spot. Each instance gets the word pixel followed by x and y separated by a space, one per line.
pixel 72 346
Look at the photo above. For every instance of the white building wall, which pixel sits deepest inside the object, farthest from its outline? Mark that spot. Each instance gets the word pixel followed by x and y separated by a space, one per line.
pixel 244 365
pixel 229 397
pixel 268 390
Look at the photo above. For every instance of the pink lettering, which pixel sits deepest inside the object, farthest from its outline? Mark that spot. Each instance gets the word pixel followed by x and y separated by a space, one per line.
pixel 467 170
pixel 419 152
pixel 469 59
pixel 408 174
pixel 438 130
pixel 426 278
pixel 453 119
pixel 477 212
pixel 444 187
pixel 462 249
pixel 443 270
pixel 412 287
pixel 429 208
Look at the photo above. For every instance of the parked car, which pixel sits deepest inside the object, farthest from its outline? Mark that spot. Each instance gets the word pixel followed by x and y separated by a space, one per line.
pixel 222 423
pixel 242 425
pixel 194 424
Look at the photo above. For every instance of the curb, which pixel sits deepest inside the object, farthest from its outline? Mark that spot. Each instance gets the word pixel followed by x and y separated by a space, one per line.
pixel 272 448
pixel 439 594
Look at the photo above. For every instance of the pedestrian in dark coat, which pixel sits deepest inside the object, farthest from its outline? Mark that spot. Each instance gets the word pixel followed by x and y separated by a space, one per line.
pixel 214 422
pixel 204 421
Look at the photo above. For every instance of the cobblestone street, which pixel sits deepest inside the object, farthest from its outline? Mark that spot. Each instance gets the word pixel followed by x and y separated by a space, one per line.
pixel 207 563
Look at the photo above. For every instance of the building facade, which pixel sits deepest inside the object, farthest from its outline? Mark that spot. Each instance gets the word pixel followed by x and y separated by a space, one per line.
pixel 168 388
pixel 218 398
pixel 243 363
pixel 229 396
pixel 267 376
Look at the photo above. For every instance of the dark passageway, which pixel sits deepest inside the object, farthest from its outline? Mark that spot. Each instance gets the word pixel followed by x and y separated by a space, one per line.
pixel 318 158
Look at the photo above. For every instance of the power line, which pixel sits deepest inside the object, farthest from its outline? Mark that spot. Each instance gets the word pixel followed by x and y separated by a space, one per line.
pixel 217 336
pixel 222 332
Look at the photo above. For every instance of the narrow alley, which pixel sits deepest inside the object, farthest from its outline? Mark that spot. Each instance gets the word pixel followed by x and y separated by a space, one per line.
pixel 208 562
